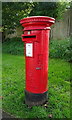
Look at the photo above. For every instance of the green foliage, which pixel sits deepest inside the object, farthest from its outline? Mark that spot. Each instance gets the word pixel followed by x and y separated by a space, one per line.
pixel 61 49
pixel 61 8
pixel 51 9
pixel 13 85
pixel 12 12
pixel 13 46
pixel 58 48
pixel 44 9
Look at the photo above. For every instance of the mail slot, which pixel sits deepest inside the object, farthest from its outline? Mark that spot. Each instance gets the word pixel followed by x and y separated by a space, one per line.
pixel 29 36
pixel 36 39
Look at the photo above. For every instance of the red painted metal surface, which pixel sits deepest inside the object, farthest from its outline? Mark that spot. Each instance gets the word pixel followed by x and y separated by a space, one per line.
pixel 36 33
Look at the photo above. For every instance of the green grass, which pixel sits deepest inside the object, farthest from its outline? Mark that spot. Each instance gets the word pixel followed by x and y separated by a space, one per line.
pixel 14 84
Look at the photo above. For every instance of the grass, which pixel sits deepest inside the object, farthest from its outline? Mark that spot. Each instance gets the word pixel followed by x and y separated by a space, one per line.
pixel 14 84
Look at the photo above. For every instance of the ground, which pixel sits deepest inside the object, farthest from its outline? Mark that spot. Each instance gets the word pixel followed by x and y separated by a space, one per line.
pixel 14 85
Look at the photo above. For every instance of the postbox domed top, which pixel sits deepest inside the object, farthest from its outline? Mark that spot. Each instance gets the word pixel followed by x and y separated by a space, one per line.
pixel 36 22
pixel 37 19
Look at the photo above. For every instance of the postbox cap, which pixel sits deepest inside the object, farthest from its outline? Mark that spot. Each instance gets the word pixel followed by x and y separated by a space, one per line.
pixel 43 21
pixel 37 19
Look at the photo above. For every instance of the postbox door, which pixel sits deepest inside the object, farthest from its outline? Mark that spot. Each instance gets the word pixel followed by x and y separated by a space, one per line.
pixel 37 62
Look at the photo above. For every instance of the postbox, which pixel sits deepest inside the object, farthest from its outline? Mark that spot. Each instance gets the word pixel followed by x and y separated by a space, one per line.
pixel 36 41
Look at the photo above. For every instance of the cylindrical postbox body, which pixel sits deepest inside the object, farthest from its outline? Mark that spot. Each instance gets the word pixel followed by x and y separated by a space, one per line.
pixel 36 38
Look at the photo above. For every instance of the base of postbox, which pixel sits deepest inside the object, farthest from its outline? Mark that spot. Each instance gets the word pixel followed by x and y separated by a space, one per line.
pixel 32 99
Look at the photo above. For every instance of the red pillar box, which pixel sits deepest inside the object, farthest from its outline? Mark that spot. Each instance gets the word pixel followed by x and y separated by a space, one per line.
pixel 36 38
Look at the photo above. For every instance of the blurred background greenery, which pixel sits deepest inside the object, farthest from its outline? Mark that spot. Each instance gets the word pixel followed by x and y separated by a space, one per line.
pixel 60 47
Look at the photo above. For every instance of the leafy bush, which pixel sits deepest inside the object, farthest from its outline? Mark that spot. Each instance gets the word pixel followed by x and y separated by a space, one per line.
pixel 61 49
pixel 13 46
pixel 58 48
